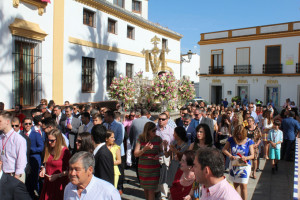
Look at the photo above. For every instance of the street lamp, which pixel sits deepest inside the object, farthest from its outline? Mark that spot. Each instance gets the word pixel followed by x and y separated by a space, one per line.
pixel 182 60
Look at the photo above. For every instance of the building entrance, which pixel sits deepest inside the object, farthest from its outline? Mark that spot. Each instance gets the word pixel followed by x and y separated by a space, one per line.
pixel 216 94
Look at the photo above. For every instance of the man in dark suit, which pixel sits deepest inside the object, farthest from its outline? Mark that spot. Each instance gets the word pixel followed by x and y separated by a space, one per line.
pixel 35 159
pixel 70 126
pixel 58 116
pixel 201 119
pixel 183 111
pixel 104 163
pixel 11 188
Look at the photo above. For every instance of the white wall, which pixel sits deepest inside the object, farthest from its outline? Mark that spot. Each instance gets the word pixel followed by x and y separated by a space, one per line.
pixel 189 69
pixel 98 34
pixel 29 13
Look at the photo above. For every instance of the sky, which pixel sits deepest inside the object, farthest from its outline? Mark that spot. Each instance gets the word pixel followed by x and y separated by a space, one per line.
pixel 193 17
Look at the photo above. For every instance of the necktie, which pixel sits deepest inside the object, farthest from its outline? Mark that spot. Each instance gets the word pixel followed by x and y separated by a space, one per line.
pixel 27 134
pixel 109 125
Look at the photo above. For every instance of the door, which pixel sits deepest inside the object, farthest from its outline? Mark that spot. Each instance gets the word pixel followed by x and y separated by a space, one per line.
pixel 273 94
pixel 243 91
pixel 216 94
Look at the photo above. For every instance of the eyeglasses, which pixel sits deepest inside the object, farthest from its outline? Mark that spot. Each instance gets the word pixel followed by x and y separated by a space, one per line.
pixel 14 126
pixel 79 141
pixel 51 141
pixel 186 121
pixel 251 107
pixel 162 119
pixel 27 124
pixel 196 114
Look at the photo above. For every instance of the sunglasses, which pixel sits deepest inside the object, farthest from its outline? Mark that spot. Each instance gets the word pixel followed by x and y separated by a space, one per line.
pixel 196 114
pixel 185 121
pixel 162 119
pixel 27 124
pixel 51 141
pixel 154 130
pixel 79 141
pixel 14 126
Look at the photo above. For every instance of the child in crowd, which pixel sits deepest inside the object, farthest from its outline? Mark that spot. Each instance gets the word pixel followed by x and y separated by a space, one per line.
pixel 275 139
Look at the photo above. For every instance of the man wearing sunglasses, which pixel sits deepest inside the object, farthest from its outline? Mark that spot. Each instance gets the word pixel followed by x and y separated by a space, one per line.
pixel 35 158
pixel 13 148
pixel 167 135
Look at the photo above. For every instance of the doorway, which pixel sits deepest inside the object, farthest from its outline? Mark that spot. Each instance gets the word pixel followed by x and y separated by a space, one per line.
pixel 216 94
pixel 242 91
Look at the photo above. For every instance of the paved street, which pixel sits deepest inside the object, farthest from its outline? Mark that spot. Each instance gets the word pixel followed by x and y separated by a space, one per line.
pixel 265 187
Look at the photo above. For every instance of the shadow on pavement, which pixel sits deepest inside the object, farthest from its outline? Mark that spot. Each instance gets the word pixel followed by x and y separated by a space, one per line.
pixel 275 186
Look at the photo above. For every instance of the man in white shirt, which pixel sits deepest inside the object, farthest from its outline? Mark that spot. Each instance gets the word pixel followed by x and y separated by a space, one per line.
pixel 83 184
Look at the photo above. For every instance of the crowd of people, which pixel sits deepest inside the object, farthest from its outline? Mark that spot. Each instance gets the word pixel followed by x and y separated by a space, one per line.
pixel 81 151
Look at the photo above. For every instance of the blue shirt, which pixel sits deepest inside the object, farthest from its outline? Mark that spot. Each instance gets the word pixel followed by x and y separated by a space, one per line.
pixel 244 149
pixel 290 127
pixel 96 189
pixel 119 132
pixel 275 136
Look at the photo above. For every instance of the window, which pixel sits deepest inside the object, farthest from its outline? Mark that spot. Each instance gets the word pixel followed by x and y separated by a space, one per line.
pixel 242 61
pixel 217 57
pixel 27 76
pixel 136 6
pixel 110 73
pixel 164 43
pixel 130 32
pixel 272 93
pixel 273 60
pixel 112 26
pixel 87 80
pixel 119 3
pixel 129 70
pixel 88 17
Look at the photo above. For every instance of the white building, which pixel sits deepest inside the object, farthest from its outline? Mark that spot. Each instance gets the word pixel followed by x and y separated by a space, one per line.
pixel 71 49
pixel 191 69
pixel 260 62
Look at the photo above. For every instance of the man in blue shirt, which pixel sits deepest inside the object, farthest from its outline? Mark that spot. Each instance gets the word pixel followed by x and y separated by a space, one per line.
pixel 290 128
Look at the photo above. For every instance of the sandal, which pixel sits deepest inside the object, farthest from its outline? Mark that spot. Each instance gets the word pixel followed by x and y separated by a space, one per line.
pixel 254 177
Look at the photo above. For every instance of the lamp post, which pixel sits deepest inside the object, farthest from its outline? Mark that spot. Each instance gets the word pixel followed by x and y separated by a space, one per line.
pixel 182 60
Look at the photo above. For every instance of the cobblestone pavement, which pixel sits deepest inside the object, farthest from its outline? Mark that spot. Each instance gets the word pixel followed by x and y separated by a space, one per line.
pixel 265 187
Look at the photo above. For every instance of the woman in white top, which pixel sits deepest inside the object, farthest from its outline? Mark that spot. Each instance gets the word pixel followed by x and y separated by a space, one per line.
pixel 267 126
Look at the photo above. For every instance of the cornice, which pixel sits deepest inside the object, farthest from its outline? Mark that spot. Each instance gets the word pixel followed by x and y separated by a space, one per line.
pixel 244 75
pixel 27 29
pixel 250 37
pixel 37 3
pixel 110 48
pixel 129 17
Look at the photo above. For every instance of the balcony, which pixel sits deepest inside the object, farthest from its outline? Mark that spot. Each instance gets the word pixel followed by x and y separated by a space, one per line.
pixel 216 70
pixel 242 69
pixel 272 69
pixel 297 68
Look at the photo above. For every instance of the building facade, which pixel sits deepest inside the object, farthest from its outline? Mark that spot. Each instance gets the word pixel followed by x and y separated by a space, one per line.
pixel 260 62
pixel 71 49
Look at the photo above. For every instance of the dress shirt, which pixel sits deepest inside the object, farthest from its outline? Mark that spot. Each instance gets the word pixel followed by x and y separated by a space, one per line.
pixel 58 118
pixel 96 189
pixel 66 139
pixel 275 136
pixel 86 127
pixel 98 147
pixel 254 115
pixel 127 124
pixel 118 130
pixel 220 191
pixel 1 172
pixel 69 120
pixel 14 158
pixel 172 124
pixel 289 127
pixel 167 133
pixel 27 133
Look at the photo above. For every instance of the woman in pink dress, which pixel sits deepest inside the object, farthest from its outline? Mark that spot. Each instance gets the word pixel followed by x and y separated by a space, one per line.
pixel 55 169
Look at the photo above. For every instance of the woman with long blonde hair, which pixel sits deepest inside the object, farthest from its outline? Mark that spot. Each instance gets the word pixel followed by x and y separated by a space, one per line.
pixel 55 168
pixel 148 149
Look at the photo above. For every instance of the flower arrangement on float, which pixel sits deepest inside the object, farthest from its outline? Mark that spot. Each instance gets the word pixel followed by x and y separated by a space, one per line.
pixel 186 91
pixel 164 89
pixel 122 89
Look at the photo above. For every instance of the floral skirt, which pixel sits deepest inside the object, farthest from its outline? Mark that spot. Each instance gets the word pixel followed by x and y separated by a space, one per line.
pixel 239 174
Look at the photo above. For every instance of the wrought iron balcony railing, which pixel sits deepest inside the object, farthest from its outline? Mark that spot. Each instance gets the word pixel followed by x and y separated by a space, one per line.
pixel 242 69
pixel 216 70
pixel 272 69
